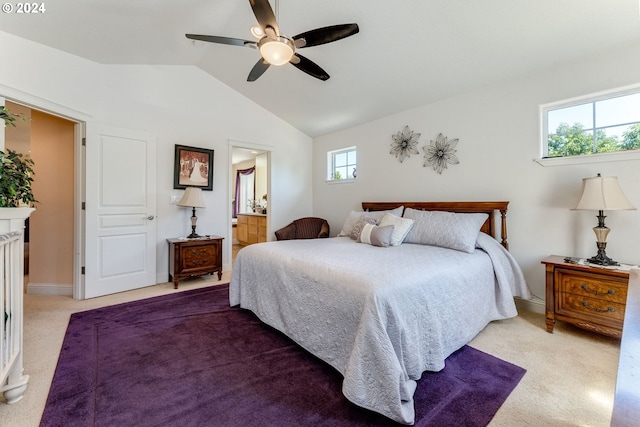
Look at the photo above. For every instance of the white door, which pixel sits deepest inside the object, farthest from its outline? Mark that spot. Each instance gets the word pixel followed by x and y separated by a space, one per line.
pixel 120 224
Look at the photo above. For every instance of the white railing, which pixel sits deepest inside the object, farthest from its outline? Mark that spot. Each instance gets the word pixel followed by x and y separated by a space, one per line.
pixel 12 381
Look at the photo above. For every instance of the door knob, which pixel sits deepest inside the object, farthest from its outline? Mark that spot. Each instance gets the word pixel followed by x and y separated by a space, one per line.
pixel 150 217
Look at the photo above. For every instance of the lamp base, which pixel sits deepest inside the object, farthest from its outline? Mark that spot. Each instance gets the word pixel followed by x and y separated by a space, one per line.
pixel 194 220
pixel 193 234
pixel 601 258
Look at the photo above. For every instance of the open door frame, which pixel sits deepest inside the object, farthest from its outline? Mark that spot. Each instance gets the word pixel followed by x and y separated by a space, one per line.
pixel 79 119
pixel 247 146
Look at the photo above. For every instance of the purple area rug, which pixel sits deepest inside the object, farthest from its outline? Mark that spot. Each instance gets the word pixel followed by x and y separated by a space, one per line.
pixel 188 359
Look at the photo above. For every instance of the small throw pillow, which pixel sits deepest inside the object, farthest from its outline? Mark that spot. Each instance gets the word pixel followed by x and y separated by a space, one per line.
pixel 401 227
pixel 451 230
pixel 376 236
pixel 357 228
pixel 354 216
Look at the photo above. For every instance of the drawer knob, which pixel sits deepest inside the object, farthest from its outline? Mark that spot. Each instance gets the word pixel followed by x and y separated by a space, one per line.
pixel 598 310
pixel 586 288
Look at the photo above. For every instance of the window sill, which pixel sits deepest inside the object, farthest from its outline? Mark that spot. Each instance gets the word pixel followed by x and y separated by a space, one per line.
pixel 591 158
pixel 340 181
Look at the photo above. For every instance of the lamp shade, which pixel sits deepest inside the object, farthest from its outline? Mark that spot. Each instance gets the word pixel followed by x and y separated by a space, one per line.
pixel 192 198
pixel 603 193
pixel 276 50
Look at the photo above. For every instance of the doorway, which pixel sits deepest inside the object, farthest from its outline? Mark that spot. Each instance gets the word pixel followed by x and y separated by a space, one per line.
pixel 49 239
pixel 109 141
pixel 249 192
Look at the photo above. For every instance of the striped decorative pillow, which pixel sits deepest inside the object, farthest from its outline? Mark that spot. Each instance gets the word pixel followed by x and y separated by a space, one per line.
pixel 376 236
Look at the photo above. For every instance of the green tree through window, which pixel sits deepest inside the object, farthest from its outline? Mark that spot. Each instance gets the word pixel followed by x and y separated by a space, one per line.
pixel 570 141
pixel 631 138
pixel 573 140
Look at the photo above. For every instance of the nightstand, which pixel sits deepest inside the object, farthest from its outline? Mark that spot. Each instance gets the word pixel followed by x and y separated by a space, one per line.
pixel 589 297
pixel 194 257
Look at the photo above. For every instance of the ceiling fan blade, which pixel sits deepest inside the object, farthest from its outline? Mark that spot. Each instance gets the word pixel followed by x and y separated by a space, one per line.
pixel 258 70
pixel 325 35
pixel 309 67
pixel 221 40
pixel 264 14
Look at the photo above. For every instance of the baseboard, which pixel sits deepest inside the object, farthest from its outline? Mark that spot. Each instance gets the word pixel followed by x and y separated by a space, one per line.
pixel 534 304
pixel 226 266
pixel 49 289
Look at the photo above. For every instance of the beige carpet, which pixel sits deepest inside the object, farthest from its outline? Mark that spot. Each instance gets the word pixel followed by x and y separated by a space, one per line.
pixel 570 379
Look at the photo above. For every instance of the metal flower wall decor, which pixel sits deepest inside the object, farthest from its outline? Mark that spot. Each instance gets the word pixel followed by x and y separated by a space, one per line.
pixel 404 143
pixel 440 153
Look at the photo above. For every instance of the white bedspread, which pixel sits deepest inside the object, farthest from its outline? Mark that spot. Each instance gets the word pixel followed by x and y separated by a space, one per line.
pixel 380 316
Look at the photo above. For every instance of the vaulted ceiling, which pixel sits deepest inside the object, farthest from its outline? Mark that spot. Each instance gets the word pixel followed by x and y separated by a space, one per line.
pixel 407 53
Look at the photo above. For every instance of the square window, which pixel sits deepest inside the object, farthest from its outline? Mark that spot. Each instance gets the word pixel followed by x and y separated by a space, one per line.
pixel 341 164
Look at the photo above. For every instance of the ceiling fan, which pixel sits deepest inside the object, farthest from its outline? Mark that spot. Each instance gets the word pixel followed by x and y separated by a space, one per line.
pixel 278 49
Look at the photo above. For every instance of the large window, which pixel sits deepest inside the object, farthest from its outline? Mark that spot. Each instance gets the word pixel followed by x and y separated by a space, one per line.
pixel 603 124
pixel 341 164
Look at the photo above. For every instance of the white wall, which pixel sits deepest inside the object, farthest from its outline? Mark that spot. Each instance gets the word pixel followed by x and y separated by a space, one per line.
pixel 498 129
pixel 261 176
pixel 180 105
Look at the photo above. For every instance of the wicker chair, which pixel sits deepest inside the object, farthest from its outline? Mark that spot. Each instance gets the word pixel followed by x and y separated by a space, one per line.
pixel 304 228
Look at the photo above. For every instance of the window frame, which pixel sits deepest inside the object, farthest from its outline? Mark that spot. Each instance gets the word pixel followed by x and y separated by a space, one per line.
pixel 543 158
pixel 331 167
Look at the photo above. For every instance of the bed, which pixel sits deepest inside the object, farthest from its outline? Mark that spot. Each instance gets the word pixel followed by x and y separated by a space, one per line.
pixel 382 316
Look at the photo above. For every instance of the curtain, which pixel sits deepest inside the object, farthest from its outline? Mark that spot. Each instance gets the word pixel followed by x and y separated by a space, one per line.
pixel 245 190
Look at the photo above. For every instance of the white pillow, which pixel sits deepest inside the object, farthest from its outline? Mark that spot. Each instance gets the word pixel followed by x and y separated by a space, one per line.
pixel 445 229
pixel 354 216
pixel 401 227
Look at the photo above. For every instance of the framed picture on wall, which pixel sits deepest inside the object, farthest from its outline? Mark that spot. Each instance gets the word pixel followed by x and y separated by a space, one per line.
pixel 193 167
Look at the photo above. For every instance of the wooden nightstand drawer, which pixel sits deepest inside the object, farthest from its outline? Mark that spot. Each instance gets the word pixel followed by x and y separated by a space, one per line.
pixel 592 285
pixel 197 257
pixel 590 309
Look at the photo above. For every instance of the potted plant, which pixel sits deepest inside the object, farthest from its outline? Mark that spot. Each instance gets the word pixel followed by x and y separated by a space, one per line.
pixel 15 180
pixel 258 205
pixel 16 171
pixel 9 119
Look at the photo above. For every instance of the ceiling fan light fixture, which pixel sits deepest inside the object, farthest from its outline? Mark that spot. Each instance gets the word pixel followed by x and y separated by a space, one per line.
pixel 276 50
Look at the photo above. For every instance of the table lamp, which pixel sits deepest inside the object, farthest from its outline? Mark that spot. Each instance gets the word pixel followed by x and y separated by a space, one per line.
pixel 192 198
pixel 602 193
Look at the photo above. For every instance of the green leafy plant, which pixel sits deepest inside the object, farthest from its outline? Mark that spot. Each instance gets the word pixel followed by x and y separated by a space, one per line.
pixel 337 175
pixel 9 119
pixel 16 179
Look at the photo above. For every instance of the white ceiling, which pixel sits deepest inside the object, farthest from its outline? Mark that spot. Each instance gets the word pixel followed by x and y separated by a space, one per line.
pixel 239 155
pixel 408 52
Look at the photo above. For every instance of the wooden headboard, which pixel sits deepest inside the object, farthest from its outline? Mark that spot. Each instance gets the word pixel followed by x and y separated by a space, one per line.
pixel 459 207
